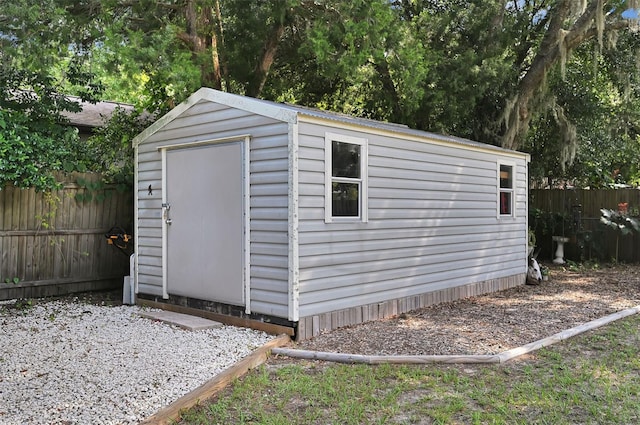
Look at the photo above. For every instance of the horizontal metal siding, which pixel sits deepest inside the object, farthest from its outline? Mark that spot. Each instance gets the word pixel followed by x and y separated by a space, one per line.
pixel 269 223
pixel 268 187
pixel 432 223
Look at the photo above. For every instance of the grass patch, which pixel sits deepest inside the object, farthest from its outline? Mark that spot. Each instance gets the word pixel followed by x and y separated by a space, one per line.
pixel 593 378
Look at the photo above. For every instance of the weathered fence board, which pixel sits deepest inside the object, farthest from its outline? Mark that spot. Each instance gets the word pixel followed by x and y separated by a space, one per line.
pixel 592 201
pixel 575 213
pixel 55 243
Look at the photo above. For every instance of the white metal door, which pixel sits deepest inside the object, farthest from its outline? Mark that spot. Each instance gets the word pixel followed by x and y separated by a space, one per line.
pixel 204 187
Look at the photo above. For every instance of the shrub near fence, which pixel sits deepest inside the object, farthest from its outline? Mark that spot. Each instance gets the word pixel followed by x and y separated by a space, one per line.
pixel 575 213
pixel 54 243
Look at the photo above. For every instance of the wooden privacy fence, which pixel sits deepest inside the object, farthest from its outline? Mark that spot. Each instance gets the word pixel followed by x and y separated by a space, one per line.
pixel 52 244
pixel 575 213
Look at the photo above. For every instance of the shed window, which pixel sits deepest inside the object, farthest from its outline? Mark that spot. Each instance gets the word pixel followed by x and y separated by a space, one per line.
pixel 346 182
pixel 506 192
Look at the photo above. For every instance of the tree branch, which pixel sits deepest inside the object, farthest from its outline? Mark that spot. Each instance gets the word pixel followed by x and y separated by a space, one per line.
pixel 556 42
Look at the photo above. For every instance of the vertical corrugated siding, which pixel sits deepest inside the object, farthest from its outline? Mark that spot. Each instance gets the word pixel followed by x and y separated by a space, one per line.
pixel 432 224
pixel 268 187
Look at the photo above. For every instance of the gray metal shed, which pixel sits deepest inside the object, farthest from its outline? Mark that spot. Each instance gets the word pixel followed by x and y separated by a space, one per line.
pixel 313 220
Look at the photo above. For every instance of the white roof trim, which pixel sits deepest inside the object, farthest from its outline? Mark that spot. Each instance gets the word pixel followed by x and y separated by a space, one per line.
pixel 265 108
pixel 261 107
pixel 403 132
pixel 292 114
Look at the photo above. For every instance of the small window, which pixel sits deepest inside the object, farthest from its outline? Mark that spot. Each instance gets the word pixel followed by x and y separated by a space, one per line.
pixel 346 185
pixel 506 192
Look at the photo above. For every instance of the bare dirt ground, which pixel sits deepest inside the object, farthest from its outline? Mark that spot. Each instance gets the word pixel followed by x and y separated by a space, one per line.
pixel 493 323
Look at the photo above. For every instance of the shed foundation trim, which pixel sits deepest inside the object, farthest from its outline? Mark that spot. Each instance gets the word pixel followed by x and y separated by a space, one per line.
pixel 311 326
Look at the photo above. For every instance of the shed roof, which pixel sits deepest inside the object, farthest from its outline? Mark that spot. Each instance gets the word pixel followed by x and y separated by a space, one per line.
pixel 293 113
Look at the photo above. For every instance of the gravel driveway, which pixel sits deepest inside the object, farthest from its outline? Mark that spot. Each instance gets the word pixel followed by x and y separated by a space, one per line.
pixel 69 362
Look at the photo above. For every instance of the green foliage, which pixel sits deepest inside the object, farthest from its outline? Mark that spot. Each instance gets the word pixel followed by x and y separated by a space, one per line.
pixel 443 66
pixel 544 223
pixel 619 221
pixel 31 151
pixel 531 238
pixel 599 94
pixel 47 54
pixel 111 147
pixel 150 68
pixel 92 190
pixel 472 67
pixel 247 28
pixel 350 64
pixel 43 37
pixel 23 304
pixel 38 59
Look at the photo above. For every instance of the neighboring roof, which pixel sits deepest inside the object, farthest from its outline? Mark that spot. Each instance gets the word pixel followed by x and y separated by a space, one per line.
pixel 291 113
pixel 94 115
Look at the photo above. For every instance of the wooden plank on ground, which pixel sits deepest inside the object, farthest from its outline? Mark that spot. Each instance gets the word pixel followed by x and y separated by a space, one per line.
pixel 372 359
pixel 171 413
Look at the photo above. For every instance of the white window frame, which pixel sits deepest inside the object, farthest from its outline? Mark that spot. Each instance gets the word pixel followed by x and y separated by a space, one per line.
pixel 512 190
pixel 363 216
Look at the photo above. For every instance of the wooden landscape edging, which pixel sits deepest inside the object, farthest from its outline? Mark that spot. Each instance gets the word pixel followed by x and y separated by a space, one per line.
pixel 171 413
pixel 359 358
pixel 503 357
pixel 566 334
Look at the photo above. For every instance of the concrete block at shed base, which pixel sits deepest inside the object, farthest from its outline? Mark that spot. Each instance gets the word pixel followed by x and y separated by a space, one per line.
pixel 185 321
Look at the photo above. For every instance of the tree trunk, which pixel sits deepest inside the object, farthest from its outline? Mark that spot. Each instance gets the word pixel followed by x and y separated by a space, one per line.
pixel 200 36
pixel 268 56
pixel 215 60
pixel 217 47
pixel 191 18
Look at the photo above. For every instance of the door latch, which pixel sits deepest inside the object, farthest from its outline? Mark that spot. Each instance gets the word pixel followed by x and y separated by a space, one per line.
pixel 165 212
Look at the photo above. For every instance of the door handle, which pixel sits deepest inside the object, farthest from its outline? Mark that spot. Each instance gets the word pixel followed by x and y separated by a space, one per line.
pixel 165 212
